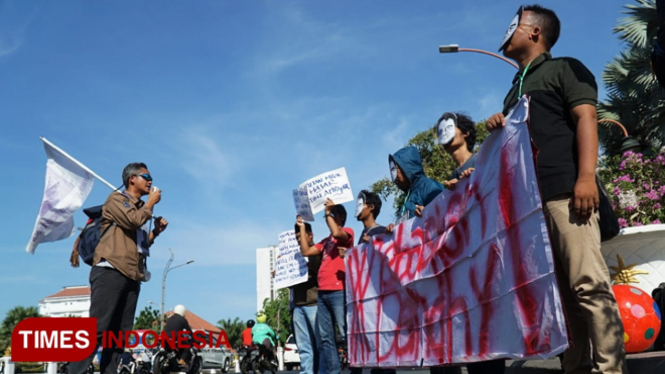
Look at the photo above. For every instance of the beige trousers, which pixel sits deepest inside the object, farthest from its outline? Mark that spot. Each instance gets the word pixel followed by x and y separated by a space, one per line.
pixel 584 282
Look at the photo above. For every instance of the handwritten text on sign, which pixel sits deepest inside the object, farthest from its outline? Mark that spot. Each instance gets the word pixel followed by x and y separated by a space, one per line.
pixel 471 280
pixel 303 209
pixel 290 266
pixel 333 184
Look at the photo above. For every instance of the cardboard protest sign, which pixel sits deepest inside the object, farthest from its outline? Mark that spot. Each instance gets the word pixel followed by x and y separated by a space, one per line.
pixel 290 265
pixel 471 280
pixel 303 209
pixel 333 184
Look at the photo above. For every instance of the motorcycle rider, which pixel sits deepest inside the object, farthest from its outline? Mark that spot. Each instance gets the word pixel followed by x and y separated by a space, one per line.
pixel 262 334
pixel 175 323
pixel 247 334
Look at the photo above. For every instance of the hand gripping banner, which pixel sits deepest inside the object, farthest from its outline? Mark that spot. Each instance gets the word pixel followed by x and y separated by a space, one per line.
pixel 471 280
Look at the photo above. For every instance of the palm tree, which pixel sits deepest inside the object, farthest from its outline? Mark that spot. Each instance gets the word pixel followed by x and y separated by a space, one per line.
pixel 233 330
pixel 13 317
pixel 634 96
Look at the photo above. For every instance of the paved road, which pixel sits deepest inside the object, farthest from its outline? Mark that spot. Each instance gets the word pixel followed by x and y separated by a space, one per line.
pixel 550 366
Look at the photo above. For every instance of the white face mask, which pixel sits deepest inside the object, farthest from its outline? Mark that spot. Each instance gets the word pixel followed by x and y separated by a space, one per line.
pixel 511 29
pixel 445 131
pixel 360 204
pixel 393 171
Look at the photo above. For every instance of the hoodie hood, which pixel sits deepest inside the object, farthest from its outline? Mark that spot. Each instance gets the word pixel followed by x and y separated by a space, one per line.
pixel 408 159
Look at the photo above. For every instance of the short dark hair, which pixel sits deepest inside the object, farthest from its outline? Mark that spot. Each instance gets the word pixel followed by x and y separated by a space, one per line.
pixel 340 213
pixel 375 200
pixel 131 170
pixel 467 126
pixel 308 228
pixel 548 22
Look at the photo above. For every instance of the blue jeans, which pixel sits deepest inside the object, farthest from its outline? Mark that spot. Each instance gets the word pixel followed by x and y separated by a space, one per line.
pixel 330 312
pixel 304 325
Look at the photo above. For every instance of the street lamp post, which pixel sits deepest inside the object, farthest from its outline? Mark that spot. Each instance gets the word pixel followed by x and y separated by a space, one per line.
pixel 454 48
pixel 627 144
pixel 167 268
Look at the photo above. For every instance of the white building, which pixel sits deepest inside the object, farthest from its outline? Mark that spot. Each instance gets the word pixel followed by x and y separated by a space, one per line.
pixel 265 283
pixel 73 301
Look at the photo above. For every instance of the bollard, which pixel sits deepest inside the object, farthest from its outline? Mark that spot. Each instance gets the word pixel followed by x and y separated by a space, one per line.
pixel 280 358
pixel 7 365
pixel 51 367
pixel 236 363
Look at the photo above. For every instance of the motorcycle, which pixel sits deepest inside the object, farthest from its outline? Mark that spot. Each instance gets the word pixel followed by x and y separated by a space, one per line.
pixel 254 360
pixel 342 353
pixel 165 362
pixel 246 356
pixel 63 368
pixel 262 363
pixel 130 365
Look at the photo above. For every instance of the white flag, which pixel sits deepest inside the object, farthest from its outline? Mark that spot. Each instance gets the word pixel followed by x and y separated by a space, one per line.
pixel 66 188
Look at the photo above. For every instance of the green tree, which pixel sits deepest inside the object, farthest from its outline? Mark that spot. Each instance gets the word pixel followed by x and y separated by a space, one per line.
pixel 233 330
pixel 278 315
pixel 634 96
pixel 147 319
pixel 437 163
pixel 13 317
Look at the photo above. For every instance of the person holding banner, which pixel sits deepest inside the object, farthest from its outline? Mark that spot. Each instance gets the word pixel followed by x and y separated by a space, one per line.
pixel 406 170
pixel 119 261
pixel 460 148
pixel 331 277
pixel 368 207
pixel 305 299
pixel 563 126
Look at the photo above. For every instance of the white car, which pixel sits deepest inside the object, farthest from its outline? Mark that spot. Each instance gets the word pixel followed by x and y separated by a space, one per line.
pixel 216 357
pixel 291 356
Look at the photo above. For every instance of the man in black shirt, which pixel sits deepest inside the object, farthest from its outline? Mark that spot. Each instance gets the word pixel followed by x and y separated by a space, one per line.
pixel 368 207
pixel 563 126
pixel 174 324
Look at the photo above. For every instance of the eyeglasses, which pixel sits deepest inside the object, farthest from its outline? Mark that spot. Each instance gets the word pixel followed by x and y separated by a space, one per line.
pixel 147 177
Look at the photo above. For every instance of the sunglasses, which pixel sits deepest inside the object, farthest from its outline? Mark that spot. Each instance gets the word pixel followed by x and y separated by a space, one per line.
pixel 147 177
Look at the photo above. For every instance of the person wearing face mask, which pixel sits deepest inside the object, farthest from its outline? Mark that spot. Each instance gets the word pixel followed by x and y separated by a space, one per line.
pixel 563 125
pixel 368 207
pixel 456 134
pixel 406 170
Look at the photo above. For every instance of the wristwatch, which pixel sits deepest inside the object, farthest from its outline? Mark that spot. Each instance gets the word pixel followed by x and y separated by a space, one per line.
pixel 329 215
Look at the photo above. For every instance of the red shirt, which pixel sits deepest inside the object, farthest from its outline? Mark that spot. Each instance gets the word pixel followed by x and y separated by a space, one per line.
pixel 332 273
pixel 247 336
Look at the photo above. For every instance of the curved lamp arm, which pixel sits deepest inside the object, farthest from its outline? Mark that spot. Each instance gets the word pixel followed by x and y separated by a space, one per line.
pixel 453 48
pixel 625 132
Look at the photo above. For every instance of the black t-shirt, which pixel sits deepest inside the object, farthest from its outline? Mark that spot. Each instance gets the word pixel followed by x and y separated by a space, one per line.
pixel 555 86
pixel 376 230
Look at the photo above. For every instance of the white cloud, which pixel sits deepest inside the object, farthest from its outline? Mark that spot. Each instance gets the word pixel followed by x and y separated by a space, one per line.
pixel 201 156
pixel 12 29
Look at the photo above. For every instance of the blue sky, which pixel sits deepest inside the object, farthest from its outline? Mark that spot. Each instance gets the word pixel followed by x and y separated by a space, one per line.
pixel 232 104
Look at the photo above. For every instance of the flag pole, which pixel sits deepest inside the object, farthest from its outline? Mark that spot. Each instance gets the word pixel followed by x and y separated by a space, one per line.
pixel 78 163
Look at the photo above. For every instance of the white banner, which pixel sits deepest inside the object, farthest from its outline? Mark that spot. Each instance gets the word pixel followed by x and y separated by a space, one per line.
pixel 66 188
pixel 472 280
pixel 333 184
pixel 290 265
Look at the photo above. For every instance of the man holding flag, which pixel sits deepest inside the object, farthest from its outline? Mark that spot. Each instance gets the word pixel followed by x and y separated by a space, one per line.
pixel 119 263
